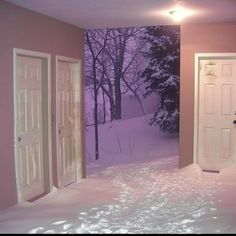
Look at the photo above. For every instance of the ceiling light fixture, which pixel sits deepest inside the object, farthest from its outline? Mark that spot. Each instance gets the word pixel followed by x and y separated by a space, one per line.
pixel 178 14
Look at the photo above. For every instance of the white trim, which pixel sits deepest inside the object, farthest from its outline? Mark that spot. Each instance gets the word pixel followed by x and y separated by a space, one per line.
pixel 68 59
pixel 195 109
pixel 215 55
pixel 50 121
pixel 198 57
pixel 79 76
pixel 31 53
pixel 47 57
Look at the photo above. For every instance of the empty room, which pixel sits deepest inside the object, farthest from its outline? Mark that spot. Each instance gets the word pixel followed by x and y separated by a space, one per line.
pixel 118 116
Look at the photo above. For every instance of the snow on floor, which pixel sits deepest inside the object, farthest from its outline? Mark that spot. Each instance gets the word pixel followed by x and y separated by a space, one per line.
pixel 147 197
pixel 135 187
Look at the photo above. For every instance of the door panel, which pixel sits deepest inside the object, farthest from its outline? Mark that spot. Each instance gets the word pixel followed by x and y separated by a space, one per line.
pixel 217 111
pixel 226 93
pixel 210 99
pixel 29 127
pixel 209 142
pixel 66 124
pixel 225 143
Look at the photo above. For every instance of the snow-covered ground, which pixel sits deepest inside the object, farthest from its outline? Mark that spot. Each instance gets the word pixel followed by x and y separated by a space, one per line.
pixel 148 197
pixel 135 187
pixel 128 141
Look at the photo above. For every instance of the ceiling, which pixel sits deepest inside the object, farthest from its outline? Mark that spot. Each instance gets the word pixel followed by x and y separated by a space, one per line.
pixel 91 14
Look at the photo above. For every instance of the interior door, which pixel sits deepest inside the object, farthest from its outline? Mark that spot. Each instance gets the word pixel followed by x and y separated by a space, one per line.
pixel 217 114
pixel 66 124
pixel 29 150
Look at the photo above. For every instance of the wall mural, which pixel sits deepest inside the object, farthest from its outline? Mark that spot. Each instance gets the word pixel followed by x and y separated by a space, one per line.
pixel 132 93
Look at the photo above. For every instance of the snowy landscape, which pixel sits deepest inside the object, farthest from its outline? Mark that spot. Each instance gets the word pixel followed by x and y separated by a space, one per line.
pixel 131 140
pixel 131 93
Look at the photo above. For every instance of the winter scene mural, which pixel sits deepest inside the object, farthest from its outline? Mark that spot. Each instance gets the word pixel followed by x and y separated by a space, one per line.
pixel 131 94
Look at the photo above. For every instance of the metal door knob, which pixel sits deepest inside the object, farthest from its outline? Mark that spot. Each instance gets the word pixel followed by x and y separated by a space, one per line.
pixel 59 131
pixel 19 139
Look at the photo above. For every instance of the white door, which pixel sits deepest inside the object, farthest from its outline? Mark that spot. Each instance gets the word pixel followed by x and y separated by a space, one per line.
pixel 29 149
pixel 66 124
pixel 217 112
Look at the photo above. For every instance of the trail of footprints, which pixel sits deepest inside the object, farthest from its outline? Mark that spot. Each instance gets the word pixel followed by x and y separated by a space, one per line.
pixel 144 205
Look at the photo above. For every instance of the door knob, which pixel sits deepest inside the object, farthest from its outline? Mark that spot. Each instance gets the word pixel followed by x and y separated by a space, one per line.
pixel 59 132
pixel 234 121
pixel 19 139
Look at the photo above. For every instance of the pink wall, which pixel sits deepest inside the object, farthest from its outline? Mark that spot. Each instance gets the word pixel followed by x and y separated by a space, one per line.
pixel 197 38
pixel 21 28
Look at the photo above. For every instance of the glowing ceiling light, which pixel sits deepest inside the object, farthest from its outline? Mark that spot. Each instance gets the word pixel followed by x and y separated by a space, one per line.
pixel 179 14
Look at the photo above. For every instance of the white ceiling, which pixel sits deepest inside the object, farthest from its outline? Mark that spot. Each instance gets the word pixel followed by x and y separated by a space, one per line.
pixel 127 13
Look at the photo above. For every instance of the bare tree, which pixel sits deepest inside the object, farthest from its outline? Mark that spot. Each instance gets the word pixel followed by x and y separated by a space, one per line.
pixel 95 52
pixel 122 60
pixel 112 69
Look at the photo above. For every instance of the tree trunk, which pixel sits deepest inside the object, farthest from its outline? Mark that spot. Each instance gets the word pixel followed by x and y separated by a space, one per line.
pixel 117 114
pixel 95 112
pixel 118 75
pixel 109 94
pixel 104 107
pixel 111 100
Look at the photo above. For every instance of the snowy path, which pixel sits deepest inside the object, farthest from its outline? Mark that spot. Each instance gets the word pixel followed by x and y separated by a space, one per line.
pixel 148 197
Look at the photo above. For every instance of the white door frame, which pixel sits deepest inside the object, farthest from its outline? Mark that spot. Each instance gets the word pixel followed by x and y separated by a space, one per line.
pixel 198 57
pixel 79 158
pixel 46 58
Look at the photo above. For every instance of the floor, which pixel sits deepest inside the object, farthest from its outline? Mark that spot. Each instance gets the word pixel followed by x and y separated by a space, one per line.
pixel 146 197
